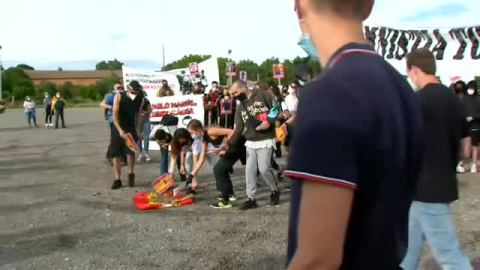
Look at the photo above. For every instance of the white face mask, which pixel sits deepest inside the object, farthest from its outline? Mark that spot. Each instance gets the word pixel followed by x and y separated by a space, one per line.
pixel 471 92
pixel 58 96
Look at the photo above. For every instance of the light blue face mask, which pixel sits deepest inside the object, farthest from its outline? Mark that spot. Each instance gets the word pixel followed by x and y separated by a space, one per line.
pixel 307 45
pixel 197 137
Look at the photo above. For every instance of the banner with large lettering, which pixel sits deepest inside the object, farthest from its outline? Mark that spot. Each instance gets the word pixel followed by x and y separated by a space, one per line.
pixel 150 80
pixel 185 107
pixel 456 49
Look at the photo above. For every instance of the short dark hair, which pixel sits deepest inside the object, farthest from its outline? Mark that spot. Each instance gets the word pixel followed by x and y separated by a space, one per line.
pixel 357 9
pixel 161 135
pixel 215 82
pixel 195 125
pixel 423 59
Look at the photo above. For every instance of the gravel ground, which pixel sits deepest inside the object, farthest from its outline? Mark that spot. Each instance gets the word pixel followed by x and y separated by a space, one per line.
pixel 57 211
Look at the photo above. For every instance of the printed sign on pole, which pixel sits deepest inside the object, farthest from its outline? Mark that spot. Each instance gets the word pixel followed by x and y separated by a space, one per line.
pixel 193 68
pixel 243 76
pixel 231 69
pixel 278 71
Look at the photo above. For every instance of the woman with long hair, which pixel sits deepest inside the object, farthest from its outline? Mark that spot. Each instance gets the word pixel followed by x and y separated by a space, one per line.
pixel 473 102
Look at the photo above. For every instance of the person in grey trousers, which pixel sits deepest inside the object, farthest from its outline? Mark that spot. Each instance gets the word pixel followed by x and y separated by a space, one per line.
pixel 255 120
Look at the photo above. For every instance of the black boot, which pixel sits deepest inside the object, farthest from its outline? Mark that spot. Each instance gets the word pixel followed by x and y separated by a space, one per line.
pixel 131 180
pixel 117 184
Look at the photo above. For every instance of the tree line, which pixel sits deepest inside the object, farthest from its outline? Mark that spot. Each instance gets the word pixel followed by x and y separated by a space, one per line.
pixel 16 84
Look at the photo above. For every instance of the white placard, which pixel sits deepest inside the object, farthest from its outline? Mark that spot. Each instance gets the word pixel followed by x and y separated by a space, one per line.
pixel 150 80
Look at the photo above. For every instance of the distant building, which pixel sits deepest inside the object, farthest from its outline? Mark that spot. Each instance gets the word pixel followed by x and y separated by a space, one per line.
pixel 76 77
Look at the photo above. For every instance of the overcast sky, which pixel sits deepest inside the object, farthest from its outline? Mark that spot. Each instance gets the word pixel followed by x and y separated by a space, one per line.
pixel 76 34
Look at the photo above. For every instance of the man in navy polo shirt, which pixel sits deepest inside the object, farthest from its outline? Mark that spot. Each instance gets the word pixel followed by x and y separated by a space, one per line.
pixel 356 148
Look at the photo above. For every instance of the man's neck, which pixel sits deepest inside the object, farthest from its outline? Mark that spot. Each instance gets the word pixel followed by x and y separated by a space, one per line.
pixel 341 33
pixel 428 79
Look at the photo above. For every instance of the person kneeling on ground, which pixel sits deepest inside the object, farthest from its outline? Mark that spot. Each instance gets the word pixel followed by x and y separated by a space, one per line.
pixel 127 118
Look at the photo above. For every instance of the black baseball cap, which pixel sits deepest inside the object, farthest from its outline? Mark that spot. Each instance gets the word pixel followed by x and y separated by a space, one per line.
pixel 135 85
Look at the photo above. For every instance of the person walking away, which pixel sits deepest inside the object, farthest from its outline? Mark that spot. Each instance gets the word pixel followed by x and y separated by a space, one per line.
pixel 58 107
pixel 146 129
pixel 29 106
pixel 47 103
pixel 473 119
pixel 255 119
pixel 356 149
pixel 446 131
pixel 127 118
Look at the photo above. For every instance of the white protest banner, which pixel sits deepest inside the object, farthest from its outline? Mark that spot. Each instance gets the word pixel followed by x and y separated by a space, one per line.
pixel 185 107
pixel 150 80
pixel 456 49
pixel 209 69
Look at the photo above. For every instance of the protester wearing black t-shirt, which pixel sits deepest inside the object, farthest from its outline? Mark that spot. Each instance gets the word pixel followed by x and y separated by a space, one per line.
pixel 446 132
pixel 473 117
pixel 356 148
pixel 127 118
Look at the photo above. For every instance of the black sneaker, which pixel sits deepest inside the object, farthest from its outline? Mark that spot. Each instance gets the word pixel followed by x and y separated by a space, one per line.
pixel 117 184
pixel 131 180
pixel 191 191
pixel 275 198
pixel 250 204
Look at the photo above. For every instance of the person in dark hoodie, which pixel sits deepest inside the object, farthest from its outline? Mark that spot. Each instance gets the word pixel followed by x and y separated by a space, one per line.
pixel 473 107
pixel 255 120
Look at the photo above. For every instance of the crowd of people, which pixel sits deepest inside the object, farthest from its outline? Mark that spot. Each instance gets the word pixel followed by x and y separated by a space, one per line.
pixel 240 125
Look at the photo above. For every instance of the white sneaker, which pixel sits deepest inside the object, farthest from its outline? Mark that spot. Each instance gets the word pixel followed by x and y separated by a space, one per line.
pixel 147 158
pixel 140 158
pixel 51 124
pixel 460 168
pixel 474 169
pixel 46 125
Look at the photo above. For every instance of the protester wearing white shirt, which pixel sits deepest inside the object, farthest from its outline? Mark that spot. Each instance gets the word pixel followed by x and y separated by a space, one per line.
pixel 29 106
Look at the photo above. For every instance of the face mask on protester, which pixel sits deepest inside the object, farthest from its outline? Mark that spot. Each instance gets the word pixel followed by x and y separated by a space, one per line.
pixel 29 99
pixel 291 90
pixel 197 137
pixel 58 96
pixel 471 92
pixel 307 45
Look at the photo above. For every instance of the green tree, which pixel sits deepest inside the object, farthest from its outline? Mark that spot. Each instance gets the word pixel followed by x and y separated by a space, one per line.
pixel 250 67
pixel 60 69
pixel 45 87
pixel 110 65
pixel 66 90
pixel 13 77
pixel 25 67
pixel 222 69
pixel 21 91
pixel 185 61
pixel 105 86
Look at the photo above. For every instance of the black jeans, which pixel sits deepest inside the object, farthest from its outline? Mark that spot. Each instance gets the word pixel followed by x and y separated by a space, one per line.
pixel 48 115
pixel 59 114
pixel 221 171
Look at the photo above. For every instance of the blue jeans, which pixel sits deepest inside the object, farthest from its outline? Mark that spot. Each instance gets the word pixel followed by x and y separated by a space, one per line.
pixel 146 129
pixel 434 222
pixel 31 116
pixel 163 161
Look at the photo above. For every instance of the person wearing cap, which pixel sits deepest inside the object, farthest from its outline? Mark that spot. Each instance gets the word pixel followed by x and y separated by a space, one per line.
pixel 356 150
pixel 127 119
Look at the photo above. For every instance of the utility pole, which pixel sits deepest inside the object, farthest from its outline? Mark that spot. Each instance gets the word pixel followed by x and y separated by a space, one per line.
pixel 229 76
pixel 163 65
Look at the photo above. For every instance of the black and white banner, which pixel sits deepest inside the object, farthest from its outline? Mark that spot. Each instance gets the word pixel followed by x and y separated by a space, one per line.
pixel 456 49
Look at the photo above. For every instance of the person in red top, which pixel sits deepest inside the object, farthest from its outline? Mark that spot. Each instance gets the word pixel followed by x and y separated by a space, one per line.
pixel 212 100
